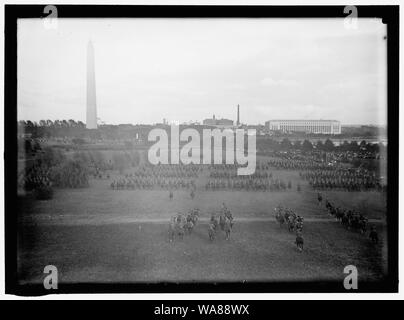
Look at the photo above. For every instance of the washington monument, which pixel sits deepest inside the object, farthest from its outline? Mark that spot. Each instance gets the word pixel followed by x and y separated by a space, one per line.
pixel 91 121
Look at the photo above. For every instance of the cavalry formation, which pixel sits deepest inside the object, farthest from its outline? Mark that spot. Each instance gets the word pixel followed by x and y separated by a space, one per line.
pixel 181 225
pixel 294 223
pixel 351 219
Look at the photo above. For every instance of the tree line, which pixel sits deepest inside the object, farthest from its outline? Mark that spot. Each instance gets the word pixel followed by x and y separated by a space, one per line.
pixel 328 145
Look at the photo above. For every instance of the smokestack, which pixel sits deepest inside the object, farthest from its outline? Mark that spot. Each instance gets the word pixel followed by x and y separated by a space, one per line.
pixel 238 114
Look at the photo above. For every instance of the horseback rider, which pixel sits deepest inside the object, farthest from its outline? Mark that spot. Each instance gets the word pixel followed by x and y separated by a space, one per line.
pixel 299 241
pixel 227 228
pixel 373 235
pixel 319 198
pixel 213 220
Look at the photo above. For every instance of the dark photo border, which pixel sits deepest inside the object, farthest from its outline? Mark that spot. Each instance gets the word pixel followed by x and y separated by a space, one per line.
pixel 390 16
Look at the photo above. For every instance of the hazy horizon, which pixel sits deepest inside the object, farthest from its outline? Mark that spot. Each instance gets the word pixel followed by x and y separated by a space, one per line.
pixel 186 70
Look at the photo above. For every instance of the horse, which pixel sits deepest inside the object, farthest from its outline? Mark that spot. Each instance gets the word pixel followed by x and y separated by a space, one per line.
pixel 214 221
pixel 339 214
pixel 299 242
pixel 362 225
pixel 189 226
pixel 212 231
pixel 299 225
pixel 319 198
pixel 345 220
pixel 194 216
pixel 172 229
pixel 222 221
pixel 227 228
pixel 179 227
pixel 291 222
pixel 286 215
pixel 328 205
pixel 374 237
pixel 279 218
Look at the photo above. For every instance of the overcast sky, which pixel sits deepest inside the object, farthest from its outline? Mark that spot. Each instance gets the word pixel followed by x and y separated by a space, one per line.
pixel 190 69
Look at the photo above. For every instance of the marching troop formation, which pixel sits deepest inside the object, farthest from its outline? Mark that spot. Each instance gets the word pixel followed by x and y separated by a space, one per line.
pixel 230 171
pixel 35 177
pixel 224 177
pixel 160 176
pixel 248 183
pixel 295 164
pixel 342 179
pixel 69 174
pixel 131 183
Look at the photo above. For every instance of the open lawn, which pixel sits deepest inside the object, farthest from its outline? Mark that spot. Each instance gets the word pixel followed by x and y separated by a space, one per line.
pixel 101 235
pixel 257 251
pixel 99 203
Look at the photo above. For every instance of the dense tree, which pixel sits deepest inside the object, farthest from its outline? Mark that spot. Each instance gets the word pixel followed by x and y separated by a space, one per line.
pixel 329 145
pixel 297 145
pixel 344 146
pixel 286 144
pixel 70 174
pixel 320 145
pixel 362 145
pixel 353 146
pixel 121 162
pixel 307 145
pixel 51 157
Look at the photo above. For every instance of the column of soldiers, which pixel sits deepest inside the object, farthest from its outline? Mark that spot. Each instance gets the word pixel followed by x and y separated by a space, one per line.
pixel 294 164
pixel 72 174
pixel 223 177
pixel 294 222
pixel 248 183
pixel 161 176
pixel 37 176
pixel 342 179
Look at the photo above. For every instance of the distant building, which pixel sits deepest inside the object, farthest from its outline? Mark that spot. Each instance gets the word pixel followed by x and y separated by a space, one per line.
pixel 305 126
pixel 259 128
pixel 219 123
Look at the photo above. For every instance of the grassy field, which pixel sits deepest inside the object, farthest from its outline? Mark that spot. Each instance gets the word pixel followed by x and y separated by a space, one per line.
pixel 97 234
pixel 135 252
pixel 100 203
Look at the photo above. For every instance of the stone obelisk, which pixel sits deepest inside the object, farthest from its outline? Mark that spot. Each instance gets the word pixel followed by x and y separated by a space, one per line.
pixel 91 120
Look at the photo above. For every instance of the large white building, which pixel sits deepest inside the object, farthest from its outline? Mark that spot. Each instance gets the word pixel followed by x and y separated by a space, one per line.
pixel 306 126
